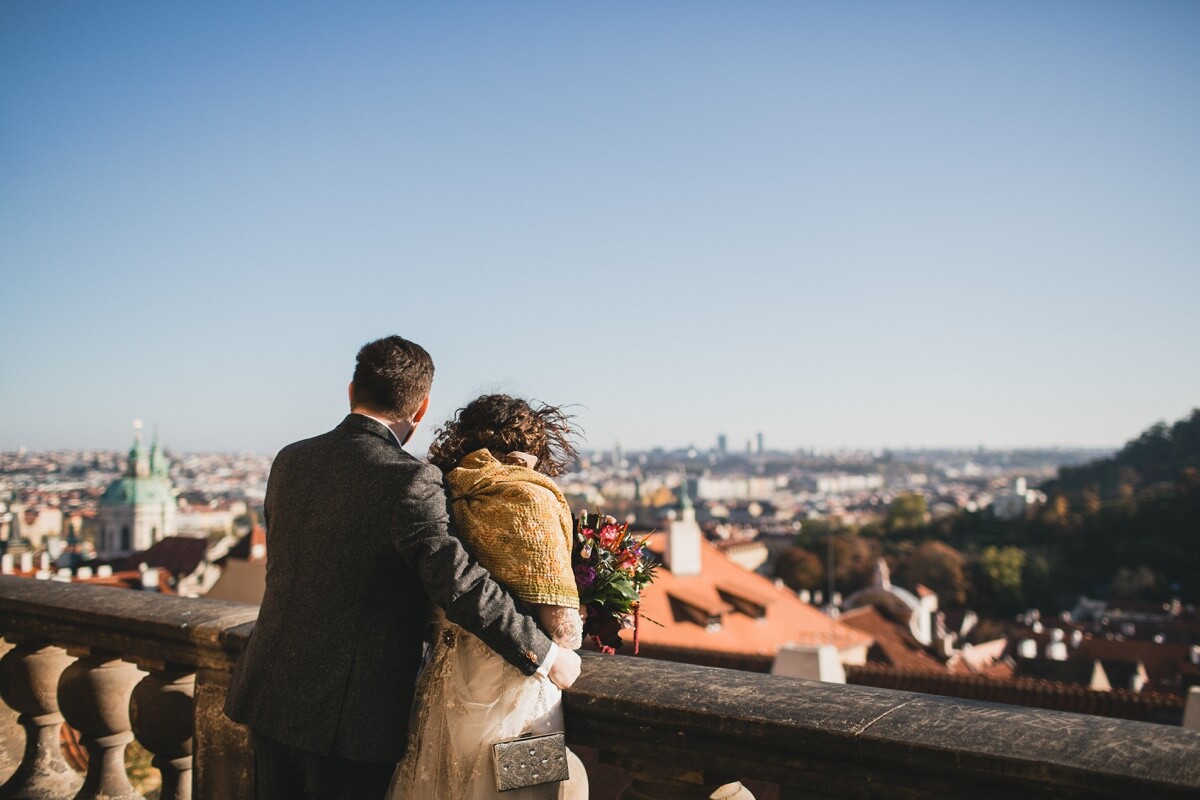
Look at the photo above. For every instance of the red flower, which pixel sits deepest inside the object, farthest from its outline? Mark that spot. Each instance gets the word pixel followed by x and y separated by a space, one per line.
pixel 609 536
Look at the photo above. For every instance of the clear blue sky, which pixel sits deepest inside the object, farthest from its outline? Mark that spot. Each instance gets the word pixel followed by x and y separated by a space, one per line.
pixel 859 224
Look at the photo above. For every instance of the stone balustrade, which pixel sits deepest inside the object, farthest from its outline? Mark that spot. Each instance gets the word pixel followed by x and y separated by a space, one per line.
pixel 118 664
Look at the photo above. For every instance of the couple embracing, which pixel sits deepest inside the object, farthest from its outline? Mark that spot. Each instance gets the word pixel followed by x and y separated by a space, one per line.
pixel 366 572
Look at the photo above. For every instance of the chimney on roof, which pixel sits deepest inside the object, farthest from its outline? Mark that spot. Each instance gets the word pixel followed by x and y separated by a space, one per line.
pixel 27 561
pixel 150 579
pixel 682 554
pixel 258 543
pixel 6 564
pixel 809 662
pixel 1139 678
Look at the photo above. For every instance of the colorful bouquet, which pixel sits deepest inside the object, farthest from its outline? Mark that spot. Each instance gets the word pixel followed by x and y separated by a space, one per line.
pixel 611 568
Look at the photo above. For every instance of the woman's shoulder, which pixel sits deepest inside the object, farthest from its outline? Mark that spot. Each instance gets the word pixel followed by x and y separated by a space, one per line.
pixel 480 472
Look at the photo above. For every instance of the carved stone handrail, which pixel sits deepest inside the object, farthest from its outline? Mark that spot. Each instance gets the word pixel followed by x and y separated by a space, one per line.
pixel 823 740
pixel 680 730
pixel 144 627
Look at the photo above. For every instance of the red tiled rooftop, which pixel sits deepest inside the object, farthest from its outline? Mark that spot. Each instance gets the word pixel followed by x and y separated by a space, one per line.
pixel 785 619
pixel 894 644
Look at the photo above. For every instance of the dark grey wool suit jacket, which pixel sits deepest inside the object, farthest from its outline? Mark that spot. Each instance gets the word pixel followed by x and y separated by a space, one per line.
pixel 357 547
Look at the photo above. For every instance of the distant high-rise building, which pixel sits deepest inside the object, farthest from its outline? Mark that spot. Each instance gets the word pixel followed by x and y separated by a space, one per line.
pixel 722 444
pixel 137 509
pixel 759 437
pixel 618 454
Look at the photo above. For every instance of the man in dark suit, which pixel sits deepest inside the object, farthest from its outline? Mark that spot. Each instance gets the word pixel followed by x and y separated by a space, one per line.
pixel 357 547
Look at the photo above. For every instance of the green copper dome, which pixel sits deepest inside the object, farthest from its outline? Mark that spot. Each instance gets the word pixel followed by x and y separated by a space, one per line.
pixel 128 491
pixel 145 481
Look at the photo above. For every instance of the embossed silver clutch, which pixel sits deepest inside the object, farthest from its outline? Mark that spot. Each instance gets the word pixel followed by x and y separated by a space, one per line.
pixel 530 761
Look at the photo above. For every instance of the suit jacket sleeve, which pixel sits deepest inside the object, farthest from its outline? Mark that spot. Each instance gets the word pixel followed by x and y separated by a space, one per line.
pixel 453 580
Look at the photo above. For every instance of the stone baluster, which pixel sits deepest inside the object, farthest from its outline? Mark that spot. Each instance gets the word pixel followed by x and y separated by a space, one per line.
pixel 29 677
pixel 94 693
pixel 224 761
pixel 163 715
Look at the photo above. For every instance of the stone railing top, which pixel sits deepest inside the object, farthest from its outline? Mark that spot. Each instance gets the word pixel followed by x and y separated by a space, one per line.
pixel 743 723
pixel 142 626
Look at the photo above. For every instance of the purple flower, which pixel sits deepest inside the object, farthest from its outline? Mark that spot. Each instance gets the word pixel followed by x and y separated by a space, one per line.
pixel 585 576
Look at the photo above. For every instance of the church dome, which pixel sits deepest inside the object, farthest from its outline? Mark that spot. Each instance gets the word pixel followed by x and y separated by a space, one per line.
pixel 145 481
pixel 128 491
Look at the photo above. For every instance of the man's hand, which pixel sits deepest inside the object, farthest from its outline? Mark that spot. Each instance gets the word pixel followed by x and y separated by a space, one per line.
pixel 565 668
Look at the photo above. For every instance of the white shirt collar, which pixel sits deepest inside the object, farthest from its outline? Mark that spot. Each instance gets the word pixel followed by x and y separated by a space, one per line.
pixel 383 423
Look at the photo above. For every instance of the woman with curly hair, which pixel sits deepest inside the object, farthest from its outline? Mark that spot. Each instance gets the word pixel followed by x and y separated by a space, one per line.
pixel 498 455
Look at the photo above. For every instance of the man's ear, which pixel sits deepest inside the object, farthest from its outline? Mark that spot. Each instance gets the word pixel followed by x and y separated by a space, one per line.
pixel 421 411
pixel 350 393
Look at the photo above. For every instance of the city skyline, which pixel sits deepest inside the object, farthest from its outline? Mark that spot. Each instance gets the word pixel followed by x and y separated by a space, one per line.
pixel 863 226
pixel 420 442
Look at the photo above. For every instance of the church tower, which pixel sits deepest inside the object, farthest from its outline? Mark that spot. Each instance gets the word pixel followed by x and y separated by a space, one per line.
pixel 137 509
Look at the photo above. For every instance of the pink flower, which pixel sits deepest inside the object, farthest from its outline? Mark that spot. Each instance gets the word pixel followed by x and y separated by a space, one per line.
pixel 609 536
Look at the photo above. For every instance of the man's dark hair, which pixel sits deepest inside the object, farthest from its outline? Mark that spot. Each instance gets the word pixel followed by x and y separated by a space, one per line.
pixel 392 376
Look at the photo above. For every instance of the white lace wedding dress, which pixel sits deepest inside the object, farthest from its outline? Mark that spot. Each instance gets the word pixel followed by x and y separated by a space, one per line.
pixel 518 525
pixel 468 698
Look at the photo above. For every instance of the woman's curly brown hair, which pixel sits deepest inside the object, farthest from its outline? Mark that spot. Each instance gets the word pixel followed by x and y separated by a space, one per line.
pixel 503 424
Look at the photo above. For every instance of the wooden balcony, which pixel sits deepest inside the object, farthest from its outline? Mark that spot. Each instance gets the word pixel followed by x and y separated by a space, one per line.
pixel 122 664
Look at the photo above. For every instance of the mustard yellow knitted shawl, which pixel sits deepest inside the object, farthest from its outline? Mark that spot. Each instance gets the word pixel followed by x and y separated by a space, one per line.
pixel 518 525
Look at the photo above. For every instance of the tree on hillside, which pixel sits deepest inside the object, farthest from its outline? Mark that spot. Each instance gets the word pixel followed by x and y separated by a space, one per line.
pixel 1003 569
pixel 940 567
pixel 1161 454
pixel 814 532
pixel 1139 584
pixel 907 511
pixel 800 569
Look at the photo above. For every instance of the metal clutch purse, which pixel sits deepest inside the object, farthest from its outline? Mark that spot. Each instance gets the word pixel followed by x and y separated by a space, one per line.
pixel 530 761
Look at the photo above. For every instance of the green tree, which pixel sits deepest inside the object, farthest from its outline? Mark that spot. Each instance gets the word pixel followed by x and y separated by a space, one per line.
pixel 1137 584
pixel 940 567
pixel 854 560
pixel 800 569
pixel 1004 568
pixel 814 532
pixel 907 511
